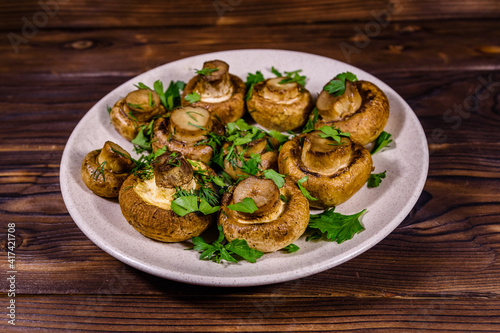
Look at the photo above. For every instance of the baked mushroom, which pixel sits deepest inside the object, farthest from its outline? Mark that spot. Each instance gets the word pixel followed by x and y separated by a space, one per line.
pixel 146 203
pixel 104 170
pixel 220 92
pixel 266 148
pixel 135 110
pixel 362 110
pixel 184 131
pixel 280 106
pixel 334 170
pixel 281 217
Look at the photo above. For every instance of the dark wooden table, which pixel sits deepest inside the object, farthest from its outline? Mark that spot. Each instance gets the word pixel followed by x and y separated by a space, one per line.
pixel 439 270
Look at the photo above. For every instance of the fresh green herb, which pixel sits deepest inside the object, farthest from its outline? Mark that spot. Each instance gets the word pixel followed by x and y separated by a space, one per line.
pixel 186 204
pixel 276 177
pixel 221 250
pixel 291 248
pixel 311 122
pixel 135 106
pixel 375 179
pixel 143 139
pixel 171 98
pixel 294 77
pixel 141 85
pixel 251 165
pixel 303 190
pixel 99 172
pixel 108 108
pixel 151 101
pixel 252 79
pixel 382 141
pixel 276 72
pixel 245 206
pixel 334 226
pixel 333 133
pixel 278 136
pixel 283 198
pixel 206 71
pixel 337 85
pixel 193 97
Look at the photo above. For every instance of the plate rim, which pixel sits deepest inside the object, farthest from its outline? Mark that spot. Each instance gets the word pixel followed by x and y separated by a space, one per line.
pixel 262 279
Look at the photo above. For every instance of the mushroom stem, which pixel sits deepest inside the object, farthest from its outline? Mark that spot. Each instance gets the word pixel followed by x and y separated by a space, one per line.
pixel 334 108
pixel 264 193
pixel 325 156
pixel 190 124
pixel 172 170
pixel 142 103
pixel 116 158
pixel 280 92
pixel 216 86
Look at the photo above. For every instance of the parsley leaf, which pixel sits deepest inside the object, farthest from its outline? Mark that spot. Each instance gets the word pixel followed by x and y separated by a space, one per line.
pixel 206 71
pixel 277 178
pixel 333 133
pixel 311 122
pixel 294 77
pixel 337 85
pixel 278 136
pixel 108 108
pixel 252 79
pixel 303 190
pixel 172 96
pixel 335 226
pixel 381 141
pixel 142 141
pixel 193 97
pixel 375 179
pixel 186 204
pixel 251 165
pixel 245 206
pixel 221 250
pixel 276 72
pixel 291 248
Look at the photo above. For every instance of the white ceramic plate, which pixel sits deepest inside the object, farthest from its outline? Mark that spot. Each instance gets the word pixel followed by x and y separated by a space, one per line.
pixel 101 220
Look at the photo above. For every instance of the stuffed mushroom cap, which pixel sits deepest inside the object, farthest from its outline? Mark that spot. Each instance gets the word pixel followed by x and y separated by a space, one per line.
pixel 281 217
pixel 280 106
pixel 362 110
pixel 220 92
pixel 335 171
pixel 134 111
pixel 104 170
pixel 147 203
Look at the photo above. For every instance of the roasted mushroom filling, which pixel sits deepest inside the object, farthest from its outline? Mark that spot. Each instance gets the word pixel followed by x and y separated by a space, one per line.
pixel 281 215
pixel 334 170
pixel 218 91
pixel 280 106
pixel 362 110
pixel 105 170
pixel 135 110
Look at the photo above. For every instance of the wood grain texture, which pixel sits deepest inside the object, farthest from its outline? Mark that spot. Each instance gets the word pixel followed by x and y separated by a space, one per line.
pixel 200 13
pixel 407 47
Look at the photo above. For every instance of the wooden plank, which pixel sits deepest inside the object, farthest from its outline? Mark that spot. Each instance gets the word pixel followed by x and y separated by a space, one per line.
pixel 155 13
pixel 253 314
pixel 407 47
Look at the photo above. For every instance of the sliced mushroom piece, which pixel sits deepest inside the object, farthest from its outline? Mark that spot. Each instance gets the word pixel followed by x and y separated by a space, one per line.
pixel 172 170
pixel 184 132
pixel 105 170
pixel 281 218
pixel 137 109
pixel 280 106
pixel 363 111
pixel 335 172
pixel 221 93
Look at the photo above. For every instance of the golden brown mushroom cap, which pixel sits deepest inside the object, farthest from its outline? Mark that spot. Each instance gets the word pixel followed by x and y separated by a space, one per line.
pixel 334 171
pixel 135 110
pixel 147 206
pixel 363 111
pixel 104 170
pixel 221 93
pixel 282 107
pixel 276 224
